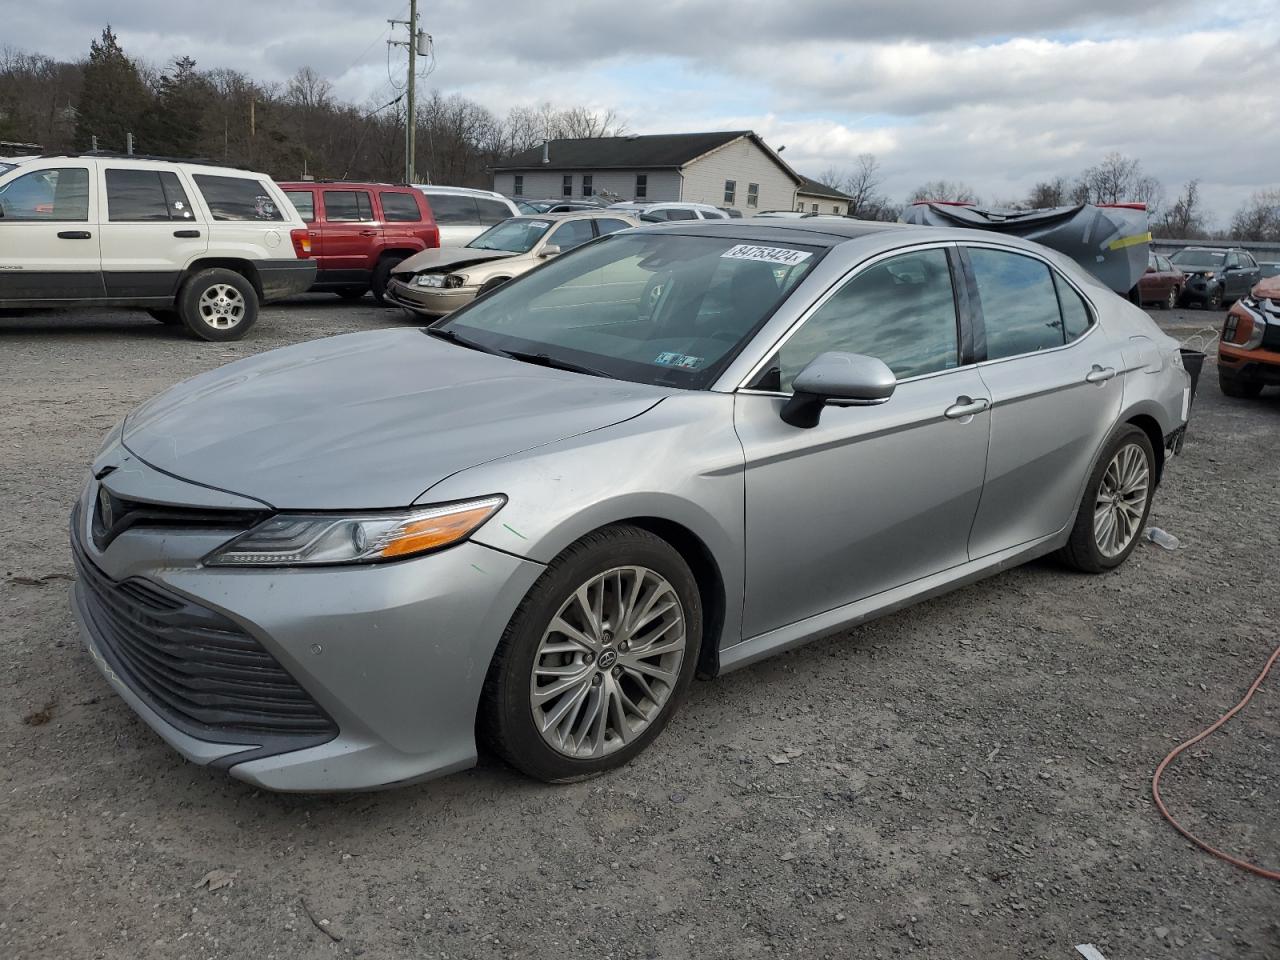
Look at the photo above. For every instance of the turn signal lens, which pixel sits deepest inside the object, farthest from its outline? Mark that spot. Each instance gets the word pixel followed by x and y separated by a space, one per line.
pixel 301 243
pixel 291 540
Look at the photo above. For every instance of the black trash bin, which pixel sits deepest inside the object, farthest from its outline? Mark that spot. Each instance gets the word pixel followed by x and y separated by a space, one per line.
pixel 1193 360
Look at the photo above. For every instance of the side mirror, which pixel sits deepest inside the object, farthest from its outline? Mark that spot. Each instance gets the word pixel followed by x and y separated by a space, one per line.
pixel 838 379
pixel 550 250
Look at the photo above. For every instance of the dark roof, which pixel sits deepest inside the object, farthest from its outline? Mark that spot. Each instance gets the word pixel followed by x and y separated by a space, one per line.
pixel 657 151
pixel 812 188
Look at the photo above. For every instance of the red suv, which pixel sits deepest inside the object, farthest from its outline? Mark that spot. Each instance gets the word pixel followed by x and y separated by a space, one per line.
pixel 360 231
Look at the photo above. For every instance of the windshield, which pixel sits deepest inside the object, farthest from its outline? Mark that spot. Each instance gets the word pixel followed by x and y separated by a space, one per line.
pixel 517 235
pixel 654 308
pixel 1199 258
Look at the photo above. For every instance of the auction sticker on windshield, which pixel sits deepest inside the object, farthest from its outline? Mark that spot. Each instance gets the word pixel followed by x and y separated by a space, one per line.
pixel 749 251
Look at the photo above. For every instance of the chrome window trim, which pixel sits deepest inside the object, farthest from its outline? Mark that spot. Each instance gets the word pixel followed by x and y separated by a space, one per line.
pixel 821 301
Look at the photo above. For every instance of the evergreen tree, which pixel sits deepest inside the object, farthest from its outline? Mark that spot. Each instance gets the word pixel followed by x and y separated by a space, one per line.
pixel 114 99
pixel 174 127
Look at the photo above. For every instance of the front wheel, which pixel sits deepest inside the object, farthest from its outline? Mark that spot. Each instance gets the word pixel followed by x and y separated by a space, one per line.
pixel 381 277
pixel 1117 499
pixel 218 304
pixel 1238 389
pixel 596 659
pixel 1171 301
pixel 1213 301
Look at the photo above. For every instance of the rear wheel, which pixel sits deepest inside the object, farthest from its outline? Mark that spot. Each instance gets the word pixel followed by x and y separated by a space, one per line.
pixel 1115 505
pixel 1213 301
pixel 381 276
pixel 1233 386
pixel 596 659
pixel 218 304
pixel 1171 301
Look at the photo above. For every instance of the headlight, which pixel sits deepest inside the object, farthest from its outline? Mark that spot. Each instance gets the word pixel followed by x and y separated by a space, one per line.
pixel 290 540
pixel 448 281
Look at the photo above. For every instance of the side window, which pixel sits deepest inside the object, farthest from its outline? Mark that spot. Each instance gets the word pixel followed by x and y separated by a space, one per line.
pixel 135 196
pixel 1019 304
pixel 676 213
pixel 237 198
pixel 399 208
pixel 609 225
pixel 901 310
pixel 712 215
pixel 1076 318
pixel 454 209
pixel 175 197
pixel 304 201
pixel 1232 260
pixel 347 206
pixel 491 211
pixel 58 195
pixel 1247 261
pixel 572 234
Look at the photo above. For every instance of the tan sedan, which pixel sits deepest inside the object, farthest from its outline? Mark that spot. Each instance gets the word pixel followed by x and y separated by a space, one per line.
pixel 437 282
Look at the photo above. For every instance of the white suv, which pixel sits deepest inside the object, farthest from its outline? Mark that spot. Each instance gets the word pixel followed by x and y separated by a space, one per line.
pixel 192 244
pixel 462 214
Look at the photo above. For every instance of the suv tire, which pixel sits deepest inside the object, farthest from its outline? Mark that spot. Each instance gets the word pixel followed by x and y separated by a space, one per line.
pixel 381 275
pixel 218 304
pixel 1239 389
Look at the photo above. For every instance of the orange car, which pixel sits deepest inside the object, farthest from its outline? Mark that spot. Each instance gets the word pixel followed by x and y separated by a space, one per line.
pixel 1249 349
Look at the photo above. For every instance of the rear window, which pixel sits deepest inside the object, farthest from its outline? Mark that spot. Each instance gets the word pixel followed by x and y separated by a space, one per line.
pixel 491 211
pixel 135 196
pixel 399 208
pixel 237 198
pixel 304 201
pixel 452 208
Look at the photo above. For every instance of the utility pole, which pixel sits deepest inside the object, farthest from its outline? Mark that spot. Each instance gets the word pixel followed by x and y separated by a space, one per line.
pixel 418 44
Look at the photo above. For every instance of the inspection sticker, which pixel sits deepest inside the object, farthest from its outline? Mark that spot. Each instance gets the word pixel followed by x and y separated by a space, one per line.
pixel 678 360
pixel 749 251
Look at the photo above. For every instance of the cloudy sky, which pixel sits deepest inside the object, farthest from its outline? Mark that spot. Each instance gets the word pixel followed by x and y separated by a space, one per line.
pixel 996 93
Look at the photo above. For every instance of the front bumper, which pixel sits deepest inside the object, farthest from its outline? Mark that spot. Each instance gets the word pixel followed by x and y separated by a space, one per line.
pixel 1200 290
pixel 1250 366
pixel 429 301
pixel 395 654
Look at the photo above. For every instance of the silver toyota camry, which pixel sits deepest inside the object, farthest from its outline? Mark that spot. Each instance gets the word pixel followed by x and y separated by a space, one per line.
pixel 673 451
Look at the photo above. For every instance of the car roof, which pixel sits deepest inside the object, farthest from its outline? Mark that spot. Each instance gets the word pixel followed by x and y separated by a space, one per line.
pixel 464 191
pixel 304 184
pixel 572 215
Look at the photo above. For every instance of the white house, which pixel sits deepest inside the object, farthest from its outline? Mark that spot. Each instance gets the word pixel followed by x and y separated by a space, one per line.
pixel 815 197
pixel 733 169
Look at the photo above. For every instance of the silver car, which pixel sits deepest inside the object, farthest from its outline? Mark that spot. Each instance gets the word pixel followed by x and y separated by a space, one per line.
pixel 674 451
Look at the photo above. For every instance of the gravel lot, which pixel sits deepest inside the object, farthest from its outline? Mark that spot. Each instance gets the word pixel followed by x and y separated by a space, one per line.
pixel 967 779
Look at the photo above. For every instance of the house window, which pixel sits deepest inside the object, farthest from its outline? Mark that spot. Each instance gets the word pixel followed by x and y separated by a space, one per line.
pixel 518 189
pixel 835 208
pixel 566 185
pixel 730 192
pixel 753 194
pixel 813 208
pixel 642 185
pixel 586 185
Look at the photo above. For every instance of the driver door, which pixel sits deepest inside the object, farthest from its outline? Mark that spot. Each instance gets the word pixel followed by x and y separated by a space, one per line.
pixel 872 497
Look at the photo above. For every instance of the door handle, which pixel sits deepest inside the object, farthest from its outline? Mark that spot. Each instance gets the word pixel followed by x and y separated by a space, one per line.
pixel 1099 374
pixel 186 234
pixel 75 235
pixel 368 233
pixel 966 407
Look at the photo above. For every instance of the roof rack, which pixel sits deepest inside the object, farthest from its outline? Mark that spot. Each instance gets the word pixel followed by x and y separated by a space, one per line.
pixel 116 155
pixel 372 183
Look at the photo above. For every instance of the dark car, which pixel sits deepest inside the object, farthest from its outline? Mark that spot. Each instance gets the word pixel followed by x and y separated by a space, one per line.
pixel 1269 268
pixel 1161 284
pixel 360 231
pixel 1216 275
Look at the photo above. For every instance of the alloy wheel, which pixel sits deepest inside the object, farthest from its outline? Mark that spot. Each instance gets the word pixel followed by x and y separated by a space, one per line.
pixel 608 662
pixel 1172 301
pixel 221 306
pixel 1122 500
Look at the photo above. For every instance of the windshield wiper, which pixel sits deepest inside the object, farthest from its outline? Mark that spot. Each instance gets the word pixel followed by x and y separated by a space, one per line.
pixel 452 337
pixel 544 360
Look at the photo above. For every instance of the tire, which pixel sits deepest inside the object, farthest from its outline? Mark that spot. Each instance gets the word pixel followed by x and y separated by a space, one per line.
pixel 218 305
pixel 1237 388
pixel 352 293
pixel 493 284
pixel 1171 301
pixel 169 318
pixel 605 564
pixel 382 274
pixel 1213 301
pixel 1128 458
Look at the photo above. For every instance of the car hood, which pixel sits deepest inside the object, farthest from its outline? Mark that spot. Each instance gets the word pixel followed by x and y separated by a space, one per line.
pixel 1267 288
pixel 448 258
pixel 366 420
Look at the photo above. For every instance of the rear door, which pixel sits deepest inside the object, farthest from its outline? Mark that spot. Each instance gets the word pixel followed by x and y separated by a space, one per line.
pixel 150 230
pixel 350 234
pixel 49 244
pixel 405 221
pixel 1054 378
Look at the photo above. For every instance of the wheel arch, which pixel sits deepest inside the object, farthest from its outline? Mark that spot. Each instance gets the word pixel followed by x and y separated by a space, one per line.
pixel 1149 425
pixel 245 268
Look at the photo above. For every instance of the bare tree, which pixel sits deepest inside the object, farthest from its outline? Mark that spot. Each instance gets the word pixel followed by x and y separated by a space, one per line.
pixel 581 122
pixel 1118 179
pixel 1049 193
pixel 1259 218
pixel 1185 219
pixel 308 89
pixel 946 190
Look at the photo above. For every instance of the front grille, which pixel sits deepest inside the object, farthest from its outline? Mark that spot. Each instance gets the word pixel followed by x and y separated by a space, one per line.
pixel 195 667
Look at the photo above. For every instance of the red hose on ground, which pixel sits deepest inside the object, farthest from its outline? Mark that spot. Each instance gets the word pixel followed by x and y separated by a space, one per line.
pixel 1155 780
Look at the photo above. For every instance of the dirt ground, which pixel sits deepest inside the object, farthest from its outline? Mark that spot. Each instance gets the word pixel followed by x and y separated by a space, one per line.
pixel 967 779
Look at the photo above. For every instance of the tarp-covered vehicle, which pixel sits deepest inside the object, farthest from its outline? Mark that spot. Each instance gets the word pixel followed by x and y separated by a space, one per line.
pixel 1110 241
